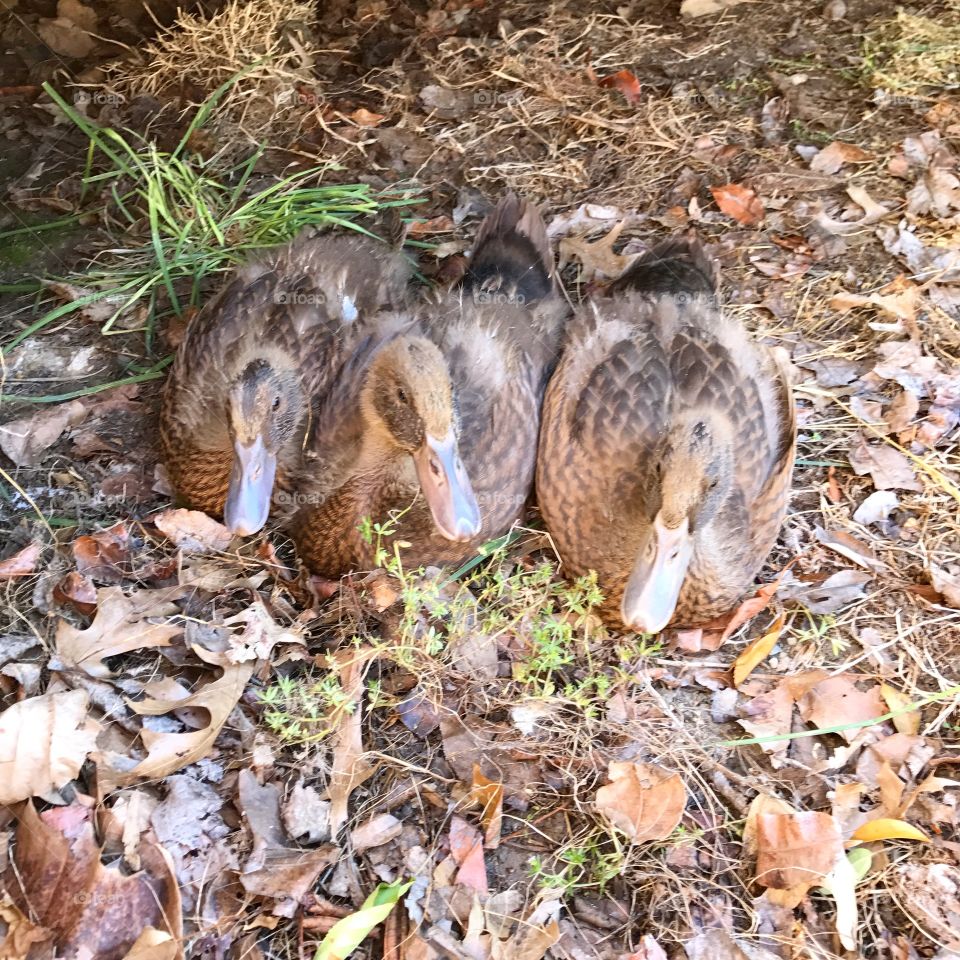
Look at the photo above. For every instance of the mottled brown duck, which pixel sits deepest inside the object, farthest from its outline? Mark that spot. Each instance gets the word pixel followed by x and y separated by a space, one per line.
pixel 237 404
pixel 667 446
pixel 436 421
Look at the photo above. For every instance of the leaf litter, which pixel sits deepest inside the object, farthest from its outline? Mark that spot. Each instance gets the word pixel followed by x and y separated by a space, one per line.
pixel 548 790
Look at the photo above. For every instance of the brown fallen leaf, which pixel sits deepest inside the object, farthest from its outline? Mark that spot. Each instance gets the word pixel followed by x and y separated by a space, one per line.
pixel 375 832
pixel 76 591
pixel 703 8
pixel 91 910
pixel 624 82
pixel 168 752
pixel 796 849
pixel 739 202
pixel 753 605
pixel 119 626
pixel 757 651
pixel 850 547
pixel 888 467
pixel 907 722
pixel 420 228
pixel 22 563
pixel 466 848
pixel 836 155
pixel 350 766
pixel 828 596
pixel 929 894
pixel 20 934
pixel 597 258
pixel 837 702
pixel 24 440
pixel 260 634
pixel 947 584
pixel 488 795
pixel 365 118
pixel 193 531
pixel 153 944
pixel 43 743
pixel 643 801
pixel 105 556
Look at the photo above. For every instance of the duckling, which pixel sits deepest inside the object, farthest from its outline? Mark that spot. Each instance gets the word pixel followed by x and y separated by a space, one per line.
pixel 238 401
pixel 436 422
pixel 667 446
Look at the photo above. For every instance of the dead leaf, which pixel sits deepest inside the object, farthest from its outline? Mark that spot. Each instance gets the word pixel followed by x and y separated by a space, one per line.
pixel 796 849
pixel 877 507
pixel 828 596
pixel 43 743
pixel 193 531
pixel 420 228
pixel 91 910
pixel 835 155
pixel 756 652
pixel 838 702
pixel 120 626
pixel 105 556
pixel 907 722
pixel 466 848
pixel 849 547
pixel 153 944
pixel 771 714
pixel 169 752
pixel 375 832
pixel 260 634
pixel 488 795
pixel 305 814
pixel 365 118
pixel 597 258
pixel 739 202
pixel 350 766
pixel 24 440
pixel 703 8
pixel 929 893
pixel 752 606
pixel 643 801
pixel 626 83
pixel 946 584
pixel 20 934
pixel 888 467
pixel 22 563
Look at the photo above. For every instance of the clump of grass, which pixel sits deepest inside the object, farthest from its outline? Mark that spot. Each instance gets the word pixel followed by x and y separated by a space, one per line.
pixel 911 54
pixel 179 220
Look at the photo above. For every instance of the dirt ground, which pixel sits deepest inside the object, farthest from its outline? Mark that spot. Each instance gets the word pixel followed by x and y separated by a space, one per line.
pixel 233 762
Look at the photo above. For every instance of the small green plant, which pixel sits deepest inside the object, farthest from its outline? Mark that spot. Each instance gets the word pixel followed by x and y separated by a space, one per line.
pixel 300 711
pixel 583 866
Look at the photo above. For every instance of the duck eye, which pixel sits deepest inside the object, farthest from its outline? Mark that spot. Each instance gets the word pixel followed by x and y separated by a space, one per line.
pixel 401 395
pixel 276 403
pixel 714 482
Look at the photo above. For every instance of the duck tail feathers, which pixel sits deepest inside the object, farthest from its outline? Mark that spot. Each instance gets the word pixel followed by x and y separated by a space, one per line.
pixel 676 266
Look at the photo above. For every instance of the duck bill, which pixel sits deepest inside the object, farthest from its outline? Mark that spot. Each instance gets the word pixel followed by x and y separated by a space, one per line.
pixel 250 488
pixel 446 487
pixel 653 588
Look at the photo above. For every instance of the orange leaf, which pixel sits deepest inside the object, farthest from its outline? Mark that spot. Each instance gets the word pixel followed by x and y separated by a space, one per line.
pixel 755 604
pixel 22 563
pixel 441 224
pixel 626 83
pixel 489 795
pixel 795 849
pixel 886 829
pixel 738 202
pixel 756 652
pixel 364 118
pixel 907 722
pixel 644 801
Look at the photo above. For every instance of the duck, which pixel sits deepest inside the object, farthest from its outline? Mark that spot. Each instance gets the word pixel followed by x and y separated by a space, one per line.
pixel 431 431
pixel 237 405
pixel 667 446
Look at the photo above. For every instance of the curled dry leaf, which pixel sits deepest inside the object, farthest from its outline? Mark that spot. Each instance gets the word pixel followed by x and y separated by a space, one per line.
pixel 835 155
pixel 168 752
pixel 888 467
pixel 906 720
pixel 90 910
pixel 887 829
pixel 43 743
pixel 193 531
pixel 76 591
pixel 757 651
pixel 106 555
pixel 22 563
pixel 350 767
pixel 597 258
pixel 488 795
pixel 642 800
pixel 25 440
pixel 739 202
pixel 120 626
pixel 260 634
pixel 796 849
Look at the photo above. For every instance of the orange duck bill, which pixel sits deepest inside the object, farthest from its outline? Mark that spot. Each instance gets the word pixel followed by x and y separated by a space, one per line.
pixel 653 588
pixel 251 487
pixel 446 487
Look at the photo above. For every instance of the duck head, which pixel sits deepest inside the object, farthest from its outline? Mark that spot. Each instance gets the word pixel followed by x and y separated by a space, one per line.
pixel 692 478
pixel 265 406
pixel 408 400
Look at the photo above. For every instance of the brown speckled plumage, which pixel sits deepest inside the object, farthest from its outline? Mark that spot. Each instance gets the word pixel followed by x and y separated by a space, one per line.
pixel 657 353
pixel 299 308
pixel 499 336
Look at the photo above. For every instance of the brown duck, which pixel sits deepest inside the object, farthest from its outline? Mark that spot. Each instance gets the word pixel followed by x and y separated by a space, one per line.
pixel 667 446
pixel 238 401
pixel 435 421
